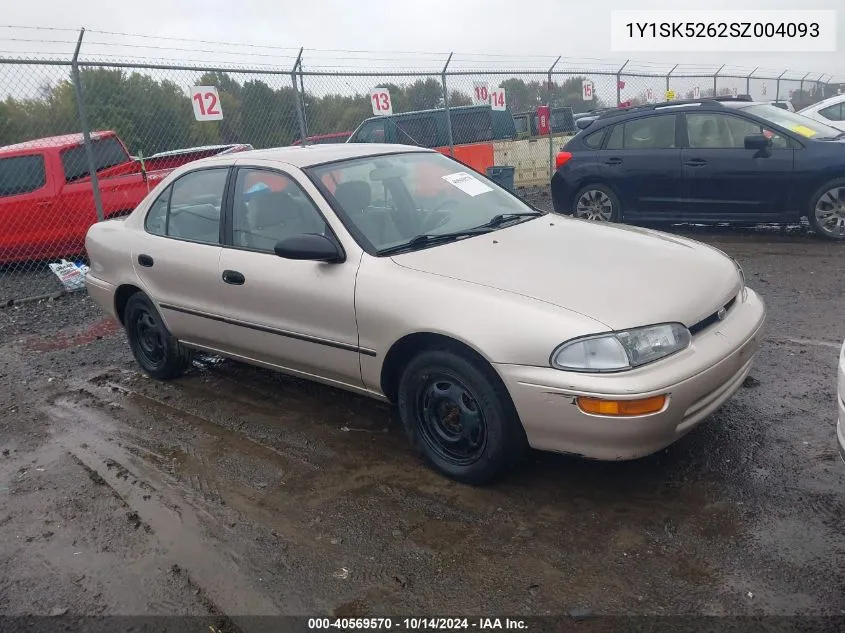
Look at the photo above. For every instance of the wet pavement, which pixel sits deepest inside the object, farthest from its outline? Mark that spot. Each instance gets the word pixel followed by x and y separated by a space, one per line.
pixel 235 491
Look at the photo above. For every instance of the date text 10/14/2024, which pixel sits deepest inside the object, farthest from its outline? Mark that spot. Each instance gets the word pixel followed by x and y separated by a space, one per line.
pixel 416 624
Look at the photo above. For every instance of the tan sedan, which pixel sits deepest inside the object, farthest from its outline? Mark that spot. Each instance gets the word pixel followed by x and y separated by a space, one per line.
pixel 398 273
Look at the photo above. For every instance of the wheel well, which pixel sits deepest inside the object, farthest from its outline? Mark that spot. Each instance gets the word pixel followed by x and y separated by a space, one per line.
pixel 403 350
pixel 121 296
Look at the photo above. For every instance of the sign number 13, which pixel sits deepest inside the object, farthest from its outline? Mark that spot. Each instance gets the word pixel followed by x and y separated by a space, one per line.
pixel 380 98
pixel 206 103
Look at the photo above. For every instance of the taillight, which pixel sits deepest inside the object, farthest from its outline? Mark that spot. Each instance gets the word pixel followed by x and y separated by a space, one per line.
pixel 561 158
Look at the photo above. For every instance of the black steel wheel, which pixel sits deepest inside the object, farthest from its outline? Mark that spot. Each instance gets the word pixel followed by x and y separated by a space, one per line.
pixel 459 416
pixel 158 353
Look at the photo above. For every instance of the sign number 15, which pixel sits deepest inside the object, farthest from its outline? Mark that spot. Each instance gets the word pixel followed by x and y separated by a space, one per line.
pixel 206 103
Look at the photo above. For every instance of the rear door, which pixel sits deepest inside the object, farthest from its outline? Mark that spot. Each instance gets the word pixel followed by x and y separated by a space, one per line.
pixel 641 162
pixel 723 181
pixel 178 254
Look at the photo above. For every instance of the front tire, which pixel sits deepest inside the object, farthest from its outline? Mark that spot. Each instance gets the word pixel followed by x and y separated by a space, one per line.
pixel 597 202
pixel 158 353
pixel 459 417
pixel 826 212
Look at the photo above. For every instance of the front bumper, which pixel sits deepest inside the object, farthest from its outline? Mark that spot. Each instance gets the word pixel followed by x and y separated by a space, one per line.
pixel 840 398
pixel 697 381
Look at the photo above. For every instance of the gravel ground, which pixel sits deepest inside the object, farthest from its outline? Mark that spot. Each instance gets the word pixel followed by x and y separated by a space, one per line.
pixel 235 491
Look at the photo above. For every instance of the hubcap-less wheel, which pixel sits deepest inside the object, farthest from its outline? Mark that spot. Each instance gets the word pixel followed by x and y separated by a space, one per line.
pixel 150 337
pixel 830 212
pixel 594 205
pixel 451 420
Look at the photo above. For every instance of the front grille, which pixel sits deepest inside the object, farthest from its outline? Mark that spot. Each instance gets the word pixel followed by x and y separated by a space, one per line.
pixel 710 320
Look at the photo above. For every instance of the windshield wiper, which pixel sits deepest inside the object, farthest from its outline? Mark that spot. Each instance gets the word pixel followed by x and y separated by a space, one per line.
pixel 427 239
pixel 497 220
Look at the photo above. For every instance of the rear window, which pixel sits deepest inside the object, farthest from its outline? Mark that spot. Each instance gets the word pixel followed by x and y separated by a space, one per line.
pixel 21 174
pixel 108 152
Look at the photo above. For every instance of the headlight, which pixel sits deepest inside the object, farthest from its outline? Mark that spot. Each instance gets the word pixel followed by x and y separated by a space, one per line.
pixel 743 290
pixel 626 349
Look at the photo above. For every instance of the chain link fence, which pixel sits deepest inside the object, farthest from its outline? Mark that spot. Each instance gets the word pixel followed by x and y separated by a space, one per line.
pixel 143 119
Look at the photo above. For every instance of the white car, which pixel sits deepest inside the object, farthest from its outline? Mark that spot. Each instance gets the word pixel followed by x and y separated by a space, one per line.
pixel 830 111
pixel 840 426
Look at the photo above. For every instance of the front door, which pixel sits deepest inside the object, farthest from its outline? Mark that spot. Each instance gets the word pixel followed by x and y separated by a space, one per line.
pixel 641 162
pixel 298 315
pixel 177 256
pixel 724 181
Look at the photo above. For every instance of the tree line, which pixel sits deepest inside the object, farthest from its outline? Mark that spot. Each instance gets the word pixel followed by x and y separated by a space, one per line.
pixel 153 115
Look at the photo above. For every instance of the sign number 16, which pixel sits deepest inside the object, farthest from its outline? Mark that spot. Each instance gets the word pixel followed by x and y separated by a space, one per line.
pixel 206 103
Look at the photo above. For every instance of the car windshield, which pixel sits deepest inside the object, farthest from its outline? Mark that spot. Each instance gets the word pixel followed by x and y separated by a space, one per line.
pixel 389 200
pixel 794 122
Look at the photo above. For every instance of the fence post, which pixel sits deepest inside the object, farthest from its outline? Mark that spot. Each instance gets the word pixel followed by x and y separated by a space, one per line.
pixel 818 86
pixel 669 74
pixel 777 85
pixel 716 80
pixel 446 108
pixel 551 131
pixel 748 81
pixel 618 79
pixel 86 131
pixel 801 89
pixel 303 133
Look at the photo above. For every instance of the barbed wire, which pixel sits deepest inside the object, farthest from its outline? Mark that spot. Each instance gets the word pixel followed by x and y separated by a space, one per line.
pixel 343 60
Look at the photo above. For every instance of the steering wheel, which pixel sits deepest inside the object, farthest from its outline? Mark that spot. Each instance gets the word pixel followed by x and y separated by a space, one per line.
pixel 437 217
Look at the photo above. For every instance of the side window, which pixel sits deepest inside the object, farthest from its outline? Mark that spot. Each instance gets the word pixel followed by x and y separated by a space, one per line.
pixel 472 127
pixel 594 140
pixel 21 174
pixel 833 113
pixel 108 152
pixel 370 132
pixel 270 206
pixel 190 208
pixel 724 131
pixel 654 132
pixel 420 131
pixel 156 220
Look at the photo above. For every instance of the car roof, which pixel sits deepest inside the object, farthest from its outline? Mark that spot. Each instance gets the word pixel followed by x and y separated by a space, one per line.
pixel 310 155
pixel 53 142
pixel 826 102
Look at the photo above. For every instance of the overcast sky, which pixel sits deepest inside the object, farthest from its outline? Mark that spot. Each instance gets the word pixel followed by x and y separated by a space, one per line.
pixel 574 29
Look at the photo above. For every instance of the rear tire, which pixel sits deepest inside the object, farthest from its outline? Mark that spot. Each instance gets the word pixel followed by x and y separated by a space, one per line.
pixel 459 417
pixel 158 353
pixel 826 212
pixel 597 202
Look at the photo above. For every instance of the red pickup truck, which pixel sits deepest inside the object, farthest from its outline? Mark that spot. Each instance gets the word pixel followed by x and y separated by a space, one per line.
pixel 46 196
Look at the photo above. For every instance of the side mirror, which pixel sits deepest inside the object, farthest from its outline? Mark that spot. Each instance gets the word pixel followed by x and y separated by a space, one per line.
pixel 759 142
pixel 310 247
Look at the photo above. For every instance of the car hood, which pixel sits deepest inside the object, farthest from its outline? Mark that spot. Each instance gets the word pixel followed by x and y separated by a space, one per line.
pixel 619 275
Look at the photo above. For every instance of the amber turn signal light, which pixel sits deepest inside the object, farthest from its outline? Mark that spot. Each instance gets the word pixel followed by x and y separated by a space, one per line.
pixel 599 406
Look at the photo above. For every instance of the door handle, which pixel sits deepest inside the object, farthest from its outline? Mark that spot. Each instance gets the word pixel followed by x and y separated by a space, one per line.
pixel 613 161
pixel 233 277
pixel 695 162
pixel 145 260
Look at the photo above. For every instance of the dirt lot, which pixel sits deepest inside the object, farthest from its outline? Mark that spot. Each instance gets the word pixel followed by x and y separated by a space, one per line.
pixel 237 491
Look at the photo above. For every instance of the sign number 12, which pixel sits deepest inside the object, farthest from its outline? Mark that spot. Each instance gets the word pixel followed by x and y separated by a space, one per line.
pixel 206 103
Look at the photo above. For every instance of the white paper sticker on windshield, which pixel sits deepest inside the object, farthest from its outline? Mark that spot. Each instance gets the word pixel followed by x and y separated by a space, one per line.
pixel 466 183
